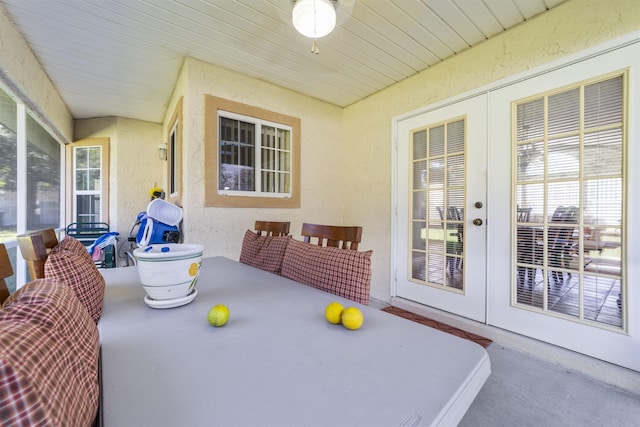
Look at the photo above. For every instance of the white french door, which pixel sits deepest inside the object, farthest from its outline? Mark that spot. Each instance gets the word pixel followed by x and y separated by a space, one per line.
pixel 441 208
pixel 563 142
pixel 485 185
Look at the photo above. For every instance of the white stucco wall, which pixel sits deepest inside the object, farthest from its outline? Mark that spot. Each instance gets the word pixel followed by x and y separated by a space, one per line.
pixel 322 157
pixel 22 75
pixel 568 28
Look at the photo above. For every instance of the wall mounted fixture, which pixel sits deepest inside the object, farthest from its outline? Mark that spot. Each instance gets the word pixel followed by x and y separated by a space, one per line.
pixel 314 19
pixel 162 151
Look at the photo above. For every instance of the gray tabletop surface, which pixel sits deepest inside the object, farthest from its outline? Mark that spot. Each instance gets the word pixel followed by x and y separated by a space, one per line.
pixel 277 362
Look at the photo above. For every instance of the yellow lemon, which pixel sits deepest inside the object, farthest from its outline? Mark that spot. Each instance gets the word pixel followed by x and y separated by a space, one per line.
pixel 352 318
pixel 218 315
pixel 333 312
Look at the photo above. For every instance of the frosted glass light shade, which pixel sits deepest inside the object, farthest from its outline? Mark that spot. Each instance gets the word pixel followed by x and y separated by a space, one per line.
pixel 314 18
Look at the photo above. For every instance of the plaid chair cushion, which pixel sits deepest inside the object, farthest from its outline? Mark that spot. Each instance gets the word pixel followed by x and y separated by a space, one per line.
pixel 80 274
pixel 73 245
pixel 264 252
pixel 339 271
pixel 49 349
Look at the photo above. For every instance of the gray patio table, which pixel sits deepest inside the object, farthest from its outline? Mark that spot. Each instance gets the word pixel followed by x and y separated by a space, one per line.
pixel 277 362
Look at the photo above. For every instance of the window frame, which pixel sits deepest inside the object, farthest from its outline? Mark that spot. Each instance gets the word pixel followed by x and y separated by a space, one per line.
pixel 76 191
pixel 174 155
pixel 215 198
pixel 258 148
pixel 71 208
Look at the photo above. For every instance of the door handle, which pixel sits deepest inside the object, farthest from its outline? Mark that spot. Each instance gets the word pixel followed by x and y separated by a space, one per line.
pixel 477 222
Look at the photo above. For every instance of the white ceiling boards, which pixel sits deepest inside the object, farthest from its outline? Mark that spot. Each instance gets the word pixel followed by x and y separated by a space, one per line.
pixel 128 53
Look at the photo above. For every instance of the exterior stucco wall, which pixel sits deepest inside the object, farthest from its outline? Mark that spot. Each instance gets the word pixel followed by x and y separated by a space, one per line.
pixel 135 166
pixel 322 157
pixel 568 28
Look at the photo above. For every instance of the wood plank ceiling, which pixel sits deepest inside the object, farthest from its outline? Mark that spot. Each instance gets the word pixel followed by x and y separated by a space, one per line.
pixel 122 57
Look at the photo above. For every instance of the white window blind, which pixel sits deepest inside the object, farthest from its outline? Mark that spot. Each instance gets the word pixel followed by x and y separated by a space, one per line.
pixel 438 199
pixel 568 168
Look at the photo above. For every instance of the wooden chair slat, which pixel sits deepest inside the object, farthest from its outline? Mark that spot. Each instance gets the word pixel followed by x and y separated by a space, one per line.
pixel 273 228
pixel 344 237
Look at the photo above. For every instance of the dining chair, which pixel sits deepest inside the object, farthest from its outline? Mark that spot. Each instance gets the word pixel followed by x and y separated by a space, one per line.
pixel 527 248
pixel 524 214
pixel 453 246
pixel 529 251
pixel 35 249
pixel 273 228
pixel 5 271
pixel 333 235
pixel 560 241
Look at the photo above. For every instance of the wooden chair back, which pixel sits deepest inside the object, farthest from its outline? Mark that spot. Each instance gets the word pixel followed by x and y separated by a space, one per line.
pixel 524 214
pixel 35 248
pixel 5 271
pixel 273 228
pixel 333 235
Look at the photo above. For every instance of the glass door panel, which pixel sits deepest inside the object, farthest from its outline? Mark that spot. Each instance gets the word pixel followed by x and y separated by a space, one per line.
pixel 569 179
pixel 439 191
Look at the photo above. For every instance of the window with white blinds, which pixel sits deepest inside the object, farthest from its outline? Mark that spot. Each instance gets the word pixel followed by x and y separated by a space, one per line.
pixel 438 199
pixel 569 200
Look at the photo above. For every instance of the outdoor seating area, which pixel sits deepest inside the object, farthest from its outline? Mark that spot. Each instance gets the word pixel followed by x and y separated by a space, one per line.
pixel 318 213
pixel 279 353
pixel 331 262
pixel 333 267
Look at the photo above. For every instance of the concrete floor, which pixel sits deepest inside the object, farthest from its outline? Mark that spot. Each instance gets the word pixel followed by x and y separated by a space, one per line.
pixel 525 391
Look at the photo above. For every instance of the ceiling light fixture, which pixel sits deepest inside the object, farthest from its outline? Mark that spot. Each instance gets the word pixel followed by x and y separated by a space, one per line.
pixel 314 19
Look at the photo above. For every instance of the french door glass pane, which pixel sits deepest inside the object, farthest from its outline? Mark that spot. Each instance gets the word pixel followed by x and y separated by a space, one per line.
pixel 568 209
pixel 438 198
pixel 603 153
pixel 602 103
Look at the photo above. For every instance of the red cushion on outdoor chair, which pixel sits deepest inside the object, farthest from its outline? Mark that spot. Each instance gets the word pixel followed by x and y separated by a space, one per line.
pixel 264 252
pixel 340 271
pixel 49 348
pixel 76 268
